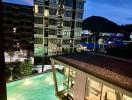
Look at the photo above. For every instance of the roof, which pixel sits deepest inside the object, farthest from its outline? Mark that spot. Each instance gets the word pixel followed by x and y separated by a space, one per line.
pixel 114 70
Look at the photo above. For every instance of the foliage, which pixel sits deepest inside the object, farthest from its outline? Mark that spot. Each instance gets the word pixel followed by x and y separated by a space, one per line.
pixel 26 68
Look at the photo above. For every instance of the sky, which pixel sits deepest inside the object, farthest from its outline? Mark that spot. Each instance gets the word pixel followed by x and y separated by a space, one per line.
pixel 23 2
pixel 118 11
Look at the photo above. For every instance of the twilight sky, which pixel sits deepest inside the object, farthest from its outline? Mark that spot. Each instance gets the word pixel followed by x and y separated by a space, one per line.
pixel 23 2
pixel 119 11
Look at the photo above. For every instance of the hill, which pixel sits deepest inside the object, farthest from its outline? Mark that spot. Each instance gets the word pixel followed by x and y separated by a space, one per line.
pixel 101 24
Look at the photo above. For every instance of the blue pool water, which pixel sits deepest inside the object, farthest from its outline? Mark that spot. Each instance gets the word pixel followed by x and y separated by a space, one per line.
pixel 40 87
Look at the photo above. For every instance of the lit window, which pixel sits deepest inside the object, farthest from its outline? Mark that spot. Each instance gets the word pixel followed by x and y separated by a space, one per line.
pixel 46 13
pixel 36 8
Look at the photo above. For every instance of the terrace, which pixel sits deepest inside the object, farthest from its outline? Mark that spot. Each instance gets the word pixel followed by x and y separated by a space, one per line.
pixel 94 76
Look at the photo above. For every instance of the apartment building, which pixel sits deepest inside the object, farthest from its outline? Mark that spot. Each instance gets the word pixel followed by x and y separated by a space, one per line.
pixel 58 27
pixel 18 27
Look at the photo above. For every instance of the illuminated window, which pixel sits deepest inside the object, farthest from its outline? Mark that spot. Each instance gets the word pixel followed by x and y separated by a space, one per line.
pixel 66 33
pixel 39 51
pixel 46 13
pixel 36 8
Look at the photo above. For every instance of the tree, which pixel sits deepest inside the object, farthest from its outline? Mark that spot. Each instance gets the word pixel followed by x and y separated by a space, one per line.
pixel 26 68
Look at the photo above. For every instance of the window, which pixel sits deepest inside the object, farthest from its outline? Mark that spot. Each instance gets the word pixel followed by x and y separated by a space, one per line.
pixel 38 20
pixel 80 5
pixel 38 40
pixel 77 33
pixel 46 13
pixel 53 1
pixel 79 24
pixel 52 32
pixel 52 41
pixel 60 31
pixel 52 11
pixel 60 23
pixel 36 8
pixel 67 23
pixel 66 42
pixel 45 41
pixel 40 9
pixel 66 33
pixel 77 42
pixel 68 3
pixel 52 22
pixel 39 0
pixel 52 50
pixel 79 15
pixel 38 30
pixel 46 32
pixel 68 13
pixel 39 50
pixel 65 50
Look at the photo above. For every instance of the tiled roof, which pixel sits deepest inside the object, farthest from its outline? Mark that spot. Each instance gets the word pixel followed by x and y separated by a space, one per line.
pixel 111 69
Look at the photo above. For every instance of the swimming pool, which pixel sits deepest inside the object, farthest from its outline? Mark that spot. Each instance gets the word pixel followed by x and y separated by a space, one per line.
pixel 40 87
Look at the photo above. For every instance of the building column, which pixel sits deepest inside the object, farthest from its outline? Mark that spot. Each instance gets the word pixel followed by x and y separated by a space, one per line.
pixel 54 77
pixel 118 95
pixel 101 91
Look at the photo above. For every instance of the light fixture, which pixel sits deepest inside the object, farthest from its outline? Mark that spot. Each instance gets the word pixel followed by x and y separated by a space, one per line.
pixel 36 8
pixel 27 82
pixel 14 29
pixel 46 13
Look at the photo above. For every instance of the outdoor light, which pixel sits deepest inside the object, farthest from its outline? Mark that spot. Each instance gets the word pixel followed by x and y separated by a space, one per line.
pixel 27 82
pixel 46 13
pixel 14 29
pixel 11 78
pixel 50 80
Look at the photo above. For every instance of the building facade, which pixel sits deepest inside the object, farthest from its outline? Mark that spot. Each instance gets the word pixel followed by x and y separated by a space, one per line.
pixel 18 34
pixel 58 27
pixel 18 27
pixel 92 76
